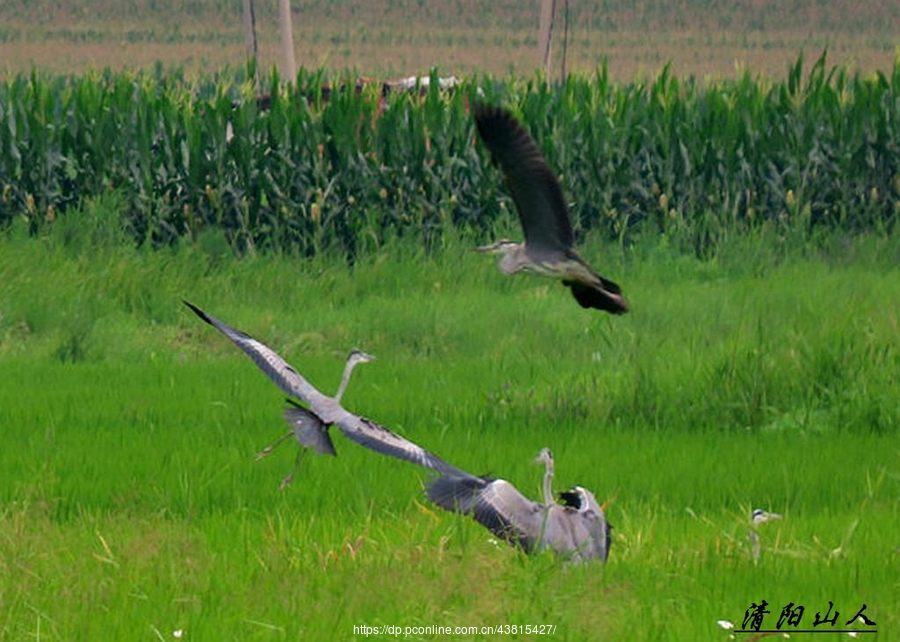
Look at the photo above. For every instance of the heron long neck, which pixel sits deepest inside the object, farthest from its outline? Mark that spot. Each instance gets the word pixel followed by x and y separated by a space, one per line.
pixel 548 481
pixel 351 363
pixel 755 546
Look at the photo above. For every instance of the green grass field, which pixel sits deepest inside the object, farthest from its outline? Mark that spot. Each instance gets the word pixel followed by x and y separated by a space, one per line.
pixel 131 506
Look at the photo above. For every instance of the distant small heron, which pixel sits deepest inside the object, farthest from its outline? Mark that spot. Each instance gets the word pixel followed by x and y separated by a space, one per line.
pixel 757 517
pixel 549 239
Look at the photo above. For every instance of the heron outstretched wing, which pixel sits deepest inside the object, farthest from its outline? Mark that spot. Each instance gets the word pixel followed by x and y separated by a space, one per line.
pixel 521 520
pixel 375 437
pixel 494 503
pixel 270 362
pixel 312 433
pixel 535 190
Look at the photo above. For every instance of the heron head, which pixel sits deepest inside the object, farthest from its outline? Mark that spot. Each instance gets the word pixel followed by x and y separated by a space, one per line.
pixel 358 356
pixel 544 457
pixel 503 246
pixel 512 255
pixel 759 516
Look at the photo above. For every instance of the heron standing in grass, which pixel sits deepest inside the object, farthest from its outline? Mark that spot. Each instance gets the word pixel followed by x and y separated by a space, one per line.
pixel 310 425
pixel 757 517
pixel 549 240
pixel 576 529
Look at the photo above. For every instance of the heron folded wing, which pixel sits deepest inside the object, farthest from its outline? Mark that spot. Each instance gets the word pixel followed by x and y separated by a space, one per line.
pixel 600 536
pixel 309 430
pixel 591 534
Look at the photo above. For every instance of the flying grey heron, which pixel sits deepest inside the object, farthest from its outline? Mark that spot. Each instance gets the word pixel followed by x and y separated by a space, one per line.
pixel 549 240
pixel 576 529
pixel 757 517
pixel 311 425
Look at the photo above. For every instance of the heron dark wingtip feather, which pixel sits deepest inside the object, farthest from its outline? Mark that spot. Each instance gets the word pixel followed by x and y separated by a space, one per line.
pixel 454 493
pixel 597 298
pixel 200 313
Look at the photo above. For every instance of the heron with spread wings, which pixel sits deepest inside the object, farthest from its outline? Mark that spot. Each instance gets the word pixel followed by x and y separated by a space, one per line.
pixel 310 425
pixel 549 240
pixel 576 529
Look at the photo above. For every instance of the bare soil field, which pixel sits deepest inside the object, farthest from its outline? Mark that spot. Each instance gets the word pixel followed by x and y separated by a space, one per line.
pixel 399 38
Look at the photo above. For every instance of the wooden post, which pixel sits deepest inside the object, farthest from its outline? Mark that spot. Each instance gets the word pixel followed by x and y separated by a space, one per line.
pixel 545 30
pixel 565 38
pixel 288 66
pixel 250 37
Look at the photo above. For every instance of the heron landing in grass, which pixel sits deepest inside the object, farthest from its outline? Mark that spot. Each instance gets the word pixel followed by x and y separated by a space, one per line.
pixel 576 529
pixel 548 249
pixel 310 425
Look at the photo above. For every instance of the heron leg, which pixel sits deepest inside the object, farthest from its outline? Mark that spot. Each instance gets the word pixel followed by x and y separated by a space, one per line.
pixel 265 452
pixel 287 480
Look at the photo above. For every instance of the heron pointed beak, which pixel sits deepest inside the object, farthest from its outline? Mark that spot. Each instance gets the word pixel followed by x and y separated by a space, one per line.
pixel 361 357
pixel 498 247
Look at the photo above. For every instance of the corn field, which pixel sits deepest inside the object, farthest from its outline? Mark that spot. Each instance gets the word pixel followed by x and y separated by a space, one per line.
pixel 326 164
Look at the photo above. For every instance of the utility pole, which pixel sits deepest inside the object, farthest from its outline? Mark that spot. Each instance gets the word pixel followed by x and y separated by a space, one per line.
pixel 545 31
pixel 288 66
pixel 250 37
